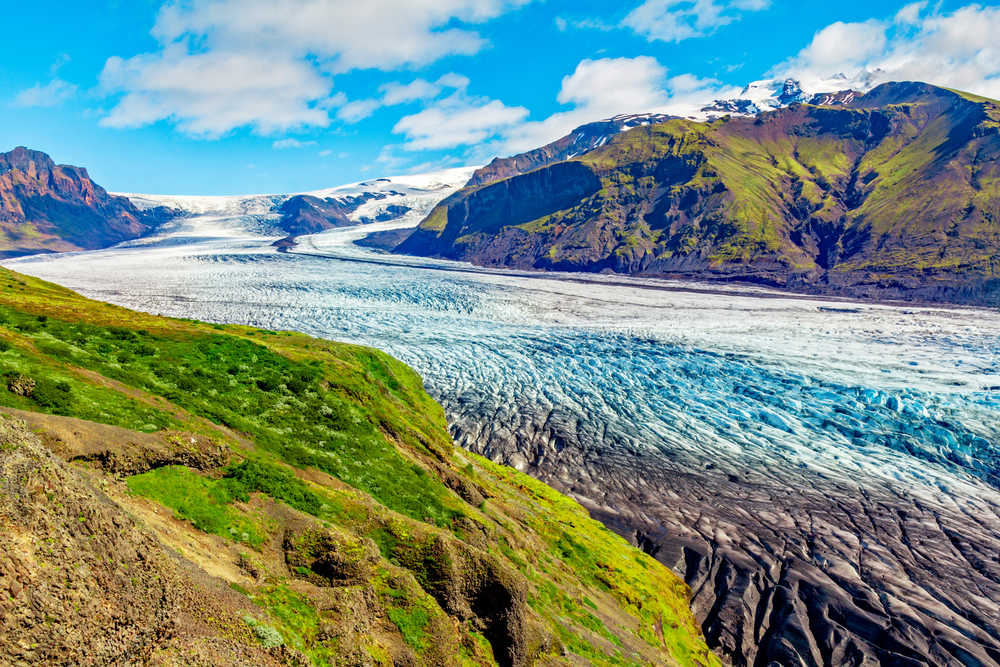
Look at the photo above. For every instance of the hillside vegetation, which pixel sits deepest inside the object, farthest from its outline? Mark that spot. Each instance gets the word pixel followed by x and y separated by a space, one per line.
pixel 175 492
pixel 896 193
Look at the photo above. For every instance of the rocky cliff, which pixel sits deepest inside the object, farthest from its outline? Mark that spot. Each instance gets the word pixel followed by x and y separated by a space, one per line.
pixel 894 193
pixel 45 207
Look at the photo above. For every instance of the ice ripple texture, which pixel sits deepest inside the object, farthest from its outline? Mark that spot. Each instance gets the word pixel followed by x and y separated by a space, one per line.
pixel 825 475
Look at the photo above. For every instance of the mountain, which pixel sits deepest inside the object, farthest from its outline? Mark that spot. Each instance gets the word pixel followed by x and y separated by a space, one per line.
pixel 174 492
pixel 45 207
pixel 895 193
pixel 758 96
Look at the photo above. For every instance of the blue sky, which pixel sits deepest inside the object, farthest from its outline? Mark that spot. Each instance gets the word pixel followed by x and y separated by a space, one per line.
pixel 239 96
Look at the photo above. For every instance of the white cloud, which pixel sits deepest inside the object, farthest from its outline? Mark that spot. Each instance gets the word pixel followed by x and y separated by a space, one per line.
pixel 282 144
pixel 677 20
pixel 453 80
pixel 54 93
pixel 266 64
pixel 208 94
pixel 395 93
pixel 910 14
pixel 596 89
pixel 357 110
pixel 614 85
pixel 400 93
pixel 958 49
pixel 457 121
pixel 841 46
pixel 382 34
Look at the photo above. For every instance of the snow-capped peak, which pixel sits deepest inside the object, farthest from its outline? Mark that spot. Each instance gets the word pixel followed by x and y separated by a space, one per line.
pixel 769 94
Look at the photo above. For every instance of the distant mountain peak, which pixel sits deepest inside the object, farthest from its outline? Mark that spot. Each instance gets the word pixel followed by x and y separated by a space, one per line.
pixel 46 207
pixel 770 94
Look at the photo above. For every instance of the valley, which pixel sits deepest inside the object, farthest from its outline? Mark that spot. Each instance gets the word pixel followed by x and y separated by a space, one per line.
pixel 820 473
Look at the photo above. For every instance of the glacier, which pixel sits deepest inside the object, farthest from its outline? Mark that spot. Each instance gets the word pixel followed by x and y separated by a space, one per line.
pixel 825 474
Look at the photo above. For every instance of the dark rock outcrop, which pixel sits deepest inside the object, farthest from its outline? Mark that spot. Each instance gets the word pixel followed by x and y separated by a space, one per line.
pixel 474 217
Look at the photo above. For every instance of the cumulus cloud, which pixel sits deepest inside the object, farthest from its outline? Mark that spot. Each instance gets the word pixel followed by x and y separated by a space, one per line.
pixel 958 49
pixel 677 20
pixel 267 64
pixel 596 89
pixel 51 94
pixel 208 94
pixel 395 93
pixel 840 46
pixel 611 84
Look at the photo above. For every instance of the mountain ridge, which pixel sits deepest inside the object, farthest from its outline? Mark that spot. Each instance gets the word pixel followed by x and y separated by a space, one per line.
pixel 889 194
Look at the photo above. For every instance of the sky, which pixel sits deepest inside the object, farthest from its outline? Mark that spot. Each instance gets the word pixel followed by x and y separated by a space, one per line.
pixel 259 96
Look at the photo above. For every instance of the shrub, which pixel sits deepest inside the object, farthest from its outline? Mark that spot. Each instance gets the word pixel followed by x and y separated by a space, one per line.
pixel 268 636
pixel 55 395
pixel 276 482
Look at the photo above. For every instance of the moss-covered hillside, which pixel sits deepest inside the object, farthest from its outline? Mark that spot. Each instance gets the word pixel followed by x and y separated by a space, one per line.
pixel 897 192
pixel 175 492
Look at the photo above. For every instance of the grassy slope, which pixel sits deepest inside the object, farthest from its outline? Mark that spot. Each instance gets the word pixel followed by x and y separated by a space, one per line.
pixel 334 444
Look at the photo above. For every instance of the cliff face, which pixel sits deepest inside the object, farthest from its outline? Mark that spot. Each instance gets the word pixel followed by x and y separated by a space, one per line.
pixel 486 212
pixel 894 193
pixel 225 495
pixel 45 207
